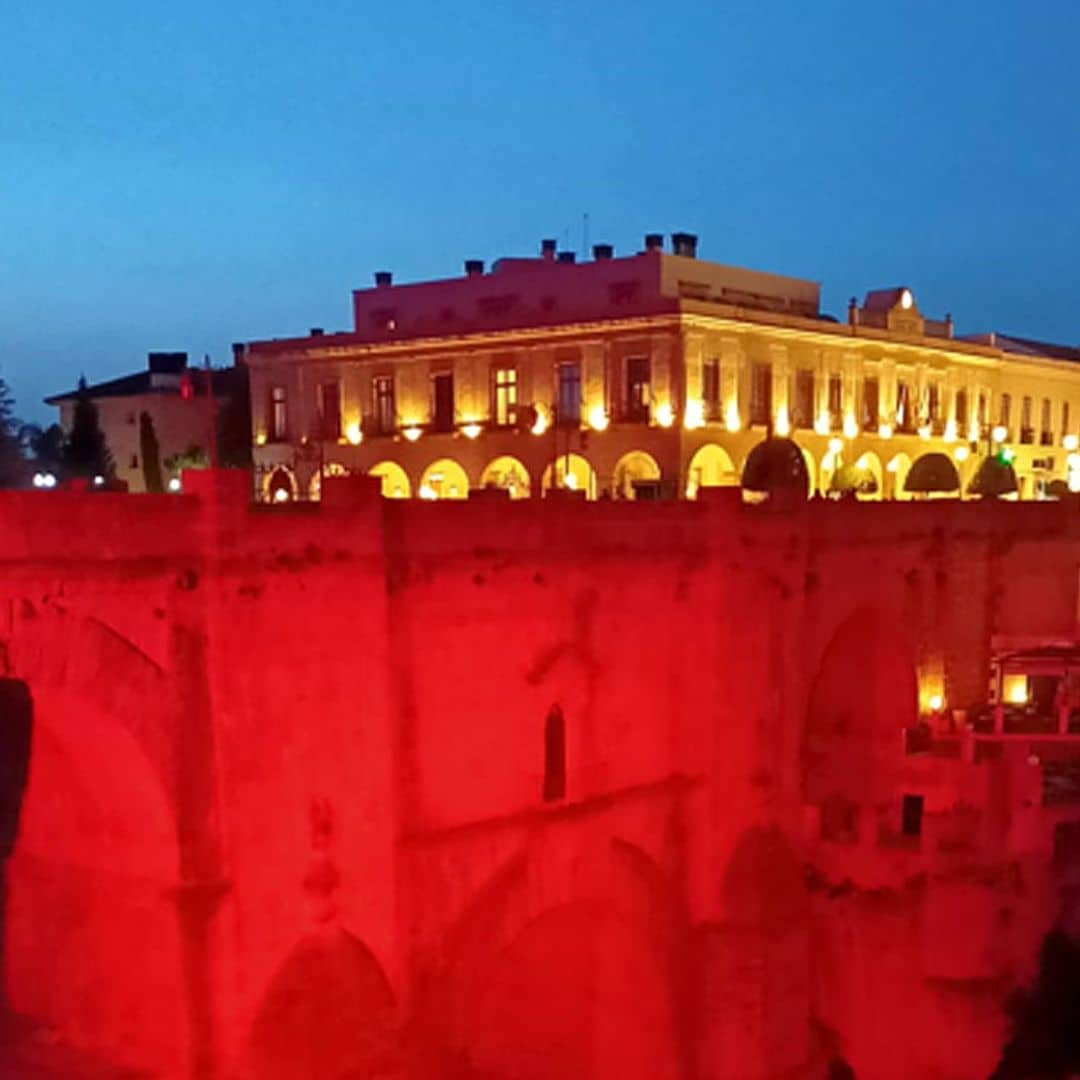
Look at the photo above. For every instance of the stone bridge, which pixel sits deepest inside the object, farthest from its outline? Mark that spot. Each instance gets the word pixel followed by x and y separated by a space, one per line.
pixel 512 790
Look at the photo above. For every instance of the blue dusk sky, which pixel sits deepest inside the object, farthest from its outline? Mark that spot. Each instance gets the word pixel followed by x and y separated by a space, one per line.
pixel 181 176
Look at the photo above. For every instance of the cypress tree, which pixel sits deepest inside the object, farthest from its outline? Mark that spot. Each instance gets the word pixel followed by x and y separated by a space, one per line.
pixel 150 453
pixel 85 454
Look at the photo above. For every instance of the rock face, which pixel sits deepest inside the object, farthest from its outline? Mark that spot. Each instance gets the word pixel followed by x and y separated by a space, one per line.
pixel 530 790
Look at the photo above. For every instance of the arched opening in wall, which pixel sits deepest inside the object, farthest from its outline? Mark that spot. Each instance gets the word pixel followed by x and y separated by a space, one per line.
pixel 933 476
pixel 636 476
pixel 394 479
pixel 572 473
pixel 330 468
pixel 507 474
pixel 554 755
pixel 896 472
pixel 863 698
pixel 328 1012
pixel 582 991
pixel 92 885
pixel 871 478
pixel 444 479
pixel 711 466
pixel 280 485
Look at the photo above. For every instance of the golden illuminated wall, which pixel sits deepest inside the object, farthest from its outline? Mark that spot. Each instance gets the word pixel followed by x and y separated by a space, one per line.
pixel 678 348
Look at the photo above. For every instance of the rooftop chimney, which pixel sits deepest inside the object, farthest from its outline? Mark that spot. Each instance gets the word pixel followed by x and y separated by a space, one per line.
pixel 317 331
pixel 547 249
pixel 853 312
pixel 565 256
pixel 474 267
pixel 239 351
pixel 684 243
pixel 602 251
pixel 654 241
pixel 383 278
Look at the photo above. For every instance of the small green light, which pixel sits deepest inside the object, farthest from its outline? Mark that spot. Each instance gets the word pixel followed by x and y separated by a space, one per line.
pixel 1005 455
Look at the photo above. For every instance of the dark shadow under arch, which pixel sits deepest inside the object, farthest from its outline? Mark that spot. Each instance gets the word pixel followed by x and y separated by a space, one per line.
pixel 328 1013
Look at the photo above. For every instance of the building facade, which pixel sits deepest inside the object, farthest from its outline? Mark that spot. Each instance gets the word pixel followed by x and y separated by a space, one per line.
pixel 185 423
pixel 649 375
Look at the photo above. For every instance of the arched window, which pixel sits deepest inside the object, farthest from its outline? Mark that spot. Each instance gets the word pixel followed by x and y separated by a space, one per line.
pixel 554 756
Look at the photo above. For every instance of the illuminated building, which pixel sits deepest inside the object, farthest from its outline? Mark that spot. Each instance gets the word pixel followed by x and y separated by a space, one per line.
pixel 649 375
pixel 535 789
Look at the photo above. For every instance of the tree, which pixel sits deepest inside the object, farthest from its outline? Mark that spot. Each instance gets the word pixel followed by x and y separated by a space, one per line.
pixel 150 453
pixel 13 467
pixel 44 447
pixel 194 457
pixel 85 452
pixel 234 420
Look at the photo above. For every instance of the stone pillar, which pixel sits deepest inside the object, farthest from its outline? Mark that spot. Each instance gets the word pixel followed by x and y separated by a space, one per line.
pixel 733 390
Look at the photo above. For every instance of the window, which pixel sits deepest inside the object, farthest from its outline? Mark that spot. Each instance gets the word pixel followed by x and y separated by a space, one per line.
pixel 961 411
pixel 983 409
pixel 134 461
pixel 442 401
pixel 760 393
pixel 1004 410
pixel 905 415
pixel 504 396
pixel 911 815
pixel 385 414
pixel 279 426
pixel 803 413
pixel 1064 419
pixel 569 400
pixel 1027 432
pixel 870 401
pixel 710 389
pixel 637 388
pixel 933 403
pixel 1046 425
pixel 554 755
pixel 836 399
pixel 330 411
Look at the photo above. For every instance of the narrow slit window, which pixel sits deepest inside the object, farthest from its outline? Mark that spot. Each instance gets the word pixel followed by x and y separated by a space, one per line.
pixel 554 756
pixel 911 815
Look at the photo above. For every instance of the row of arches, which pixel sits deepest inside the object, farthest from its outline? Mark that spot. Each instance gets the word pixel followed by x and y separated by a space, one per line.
pixel 448 479
pixel 636 474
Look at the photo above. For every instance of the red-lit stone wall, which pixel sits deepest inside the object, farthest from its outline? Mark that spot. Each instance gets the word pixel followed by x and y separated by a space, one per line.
pixel 286 807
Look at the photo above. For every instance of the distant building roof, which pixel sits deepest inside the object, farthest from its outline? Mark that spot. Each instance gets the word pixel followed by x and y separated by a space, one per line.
pixel 883 299
pixel 164 374
pixel 1031 347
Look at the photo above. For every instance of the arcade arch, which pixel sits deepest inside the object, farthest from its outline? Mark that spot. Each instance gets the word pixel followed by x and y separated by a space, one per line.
pixel 869 464
pixel 508 474
pixel 395 481
pixel 444 479
pixel 711 466
pixel 632 471
pixel 572 472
